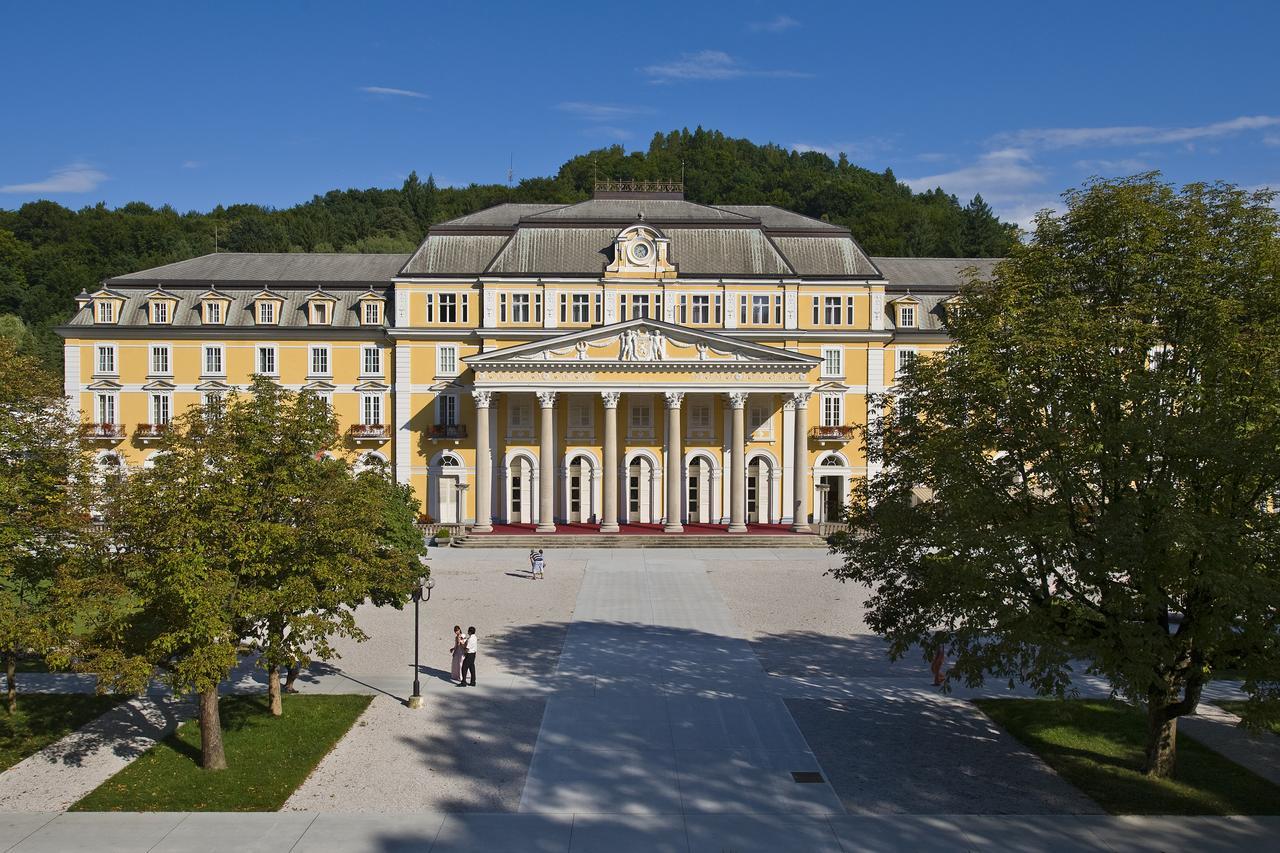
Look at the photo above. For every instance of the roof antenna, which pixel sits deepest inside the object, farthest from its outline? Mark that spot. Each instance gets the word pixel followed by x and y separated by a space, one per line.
pixel 511 164
pixel 215 236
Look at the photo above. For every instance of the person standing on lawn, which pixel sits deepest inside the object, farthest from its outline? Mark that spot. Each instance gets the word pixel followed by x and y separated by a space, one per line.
pixel 469 659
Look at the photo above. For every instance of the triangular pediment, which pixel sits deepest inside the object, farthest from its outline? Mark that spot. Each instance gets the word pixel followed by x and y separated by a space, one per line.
pixel 320 387
pixel 642 342
pixel 373 386
pixel 105 385
pixel 159 385
pixel 214 385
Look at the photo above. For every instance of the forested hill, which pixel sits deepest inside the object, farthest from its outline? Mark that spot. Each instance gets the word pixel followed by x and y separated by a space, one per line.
pixel 49 253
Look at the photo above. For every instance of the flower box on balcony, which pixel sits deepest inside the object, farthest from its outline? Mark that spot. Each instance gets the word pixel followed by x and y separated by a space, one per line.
pixel 365 432
pixel 449 431
pixel 146 432
pixel 107 431
pixel 842 433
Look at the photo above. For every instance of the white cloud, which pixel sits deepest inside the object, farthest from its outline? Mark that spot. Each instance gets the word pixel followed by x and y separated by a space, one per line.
pixel 1070 137
pixel 600 112
pixel 780 24
pixel 709 65
pixel 995 174
pixel 386 90
pixel 73 178
pixel 833 150
pixel 1123 166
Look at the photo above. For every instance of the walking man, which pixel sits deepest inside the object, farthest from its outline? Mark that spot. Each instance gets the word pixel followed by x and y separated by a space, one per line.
pixel 469 660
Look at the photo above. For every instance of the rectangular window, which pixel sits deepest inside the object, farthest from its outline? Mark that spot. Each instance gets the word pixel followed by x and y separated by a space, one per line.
pixel 833 362
pixel 502 307
pixel 106 408
pixel 832 410
pixel 107 360
pixel 816 318
pixel 719 310
pixel 320 314
pixel 106 312
pixel 447 410
pixel 213 360
pixel 742 310
pixel 903 358
pixel 579 415
pixel 466 307
pixel 160 364
pixel 446 360
pixel 640 416
pixel 213 312
pixel 848 311
pixel 319 361
pixel 757 418
pixel 159 312
pixel 267 313
pixel 701 308
pixel 159 408
pixel 684 308
pixel 430 315
pixel 700 417
pixel 907 316
pixel 371 409
pixel 622 305
pixel 537 307
pixel 599 300
pixel 777 310
pixel 639 305
pixel 520 307
pixel 267 360
pixel 448 308
pixel 371 361
pixel 519 416
pixel 760 310
pixel 831 310
pixel 581 308
pixel 564 308
pixel 372 313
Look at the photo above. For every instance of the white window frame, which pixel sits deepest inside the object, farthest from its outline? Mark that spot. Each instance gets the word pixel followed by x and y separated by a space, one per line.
pixel 158 312
pixel 153 366
pixel 759 420
pixel 367 369
pixel 581 417
pixel 833 362
pixel 114 368
pixel 221 369
pixel 365 308
pixel 760 310
pixel 160 407
pixel 107 399
pixel 372 409
pixel 448 308
pixel 266 312
pixel 639 427
pixel 446 410
pixel 430 314
pixel 700 303
pixel 580 308
pixel 907 317
pixel 520 307
pixel 519 416
pixel 831 310
pixel 211 312
pixel 326 354
pixel 322 305
pixel 447 360
pixel 258 352
pixel 832 412
pixel 104 311
pixel 900 357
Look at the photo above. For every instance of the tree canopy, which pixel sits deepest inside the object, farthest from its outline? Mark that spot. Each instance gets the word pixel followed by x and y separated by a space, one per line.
pixel 1091 472
pixel 49 253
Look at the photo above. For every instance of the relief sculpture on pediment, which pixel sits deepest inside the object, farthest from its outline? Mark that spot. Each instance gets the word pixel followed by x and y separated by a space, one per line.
pixel 643 345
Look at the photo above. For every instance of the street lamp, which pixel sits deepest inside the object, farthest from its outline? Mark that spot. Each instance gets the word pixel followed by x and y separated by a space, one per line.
pixel 427 584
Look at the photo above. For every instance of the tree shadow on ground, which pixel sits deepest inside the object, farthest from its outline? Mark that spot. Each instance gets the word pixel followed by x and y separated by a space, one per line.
pixel 127 730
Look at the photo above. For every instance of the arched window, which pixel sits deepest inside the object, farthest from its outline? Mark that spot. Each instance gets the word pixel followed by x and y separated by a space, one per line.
pixel 833 461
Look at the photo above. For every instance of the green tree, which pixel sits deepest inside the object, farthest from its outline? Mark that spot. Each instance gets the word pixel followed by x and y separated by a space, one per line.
pixel 1101 454
pixel 984 235
pixel 43 506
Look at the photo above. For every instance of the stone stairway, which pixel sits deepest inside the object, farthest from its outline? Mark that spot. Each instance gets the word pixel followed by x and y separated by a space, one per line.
pixel 627 540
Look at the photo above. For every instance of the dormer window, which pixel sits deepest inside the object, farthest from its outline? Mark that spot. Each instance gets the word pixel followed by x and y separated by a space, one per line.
pixel 266 313
pixel 906 316
pixel 105 311
pixel 319 314
pixel 213 313
pixel 371 313
pixel 160 313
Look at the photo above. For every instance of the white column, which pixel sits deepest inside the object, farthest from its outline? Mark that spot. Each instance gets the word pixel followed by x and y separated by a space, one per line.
pixel 402 382
pixel 675 482
pixel 800 489
pixel 787 505
pixel 875 385
pixel 738 448
pixel 609 514
pixel 547 463
pixel 484 463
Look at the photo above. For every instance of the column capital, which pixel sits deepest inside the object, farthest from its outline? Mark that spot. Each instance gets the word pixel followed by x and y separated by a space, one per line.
pixel 737 399
pixel 483 398
pixel 546 399
pixel 674 398
pixel 801 398
pixel 610 398
pixel 788 404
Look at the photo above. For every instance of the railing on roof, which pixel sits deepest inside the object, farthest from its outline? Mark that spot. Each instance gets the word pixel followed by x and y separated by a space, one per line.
pixel 639 186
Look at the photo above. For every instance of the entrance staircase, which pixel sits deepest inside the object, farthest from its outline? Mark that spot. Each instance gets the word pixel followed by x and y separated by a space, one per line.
pixel 640 540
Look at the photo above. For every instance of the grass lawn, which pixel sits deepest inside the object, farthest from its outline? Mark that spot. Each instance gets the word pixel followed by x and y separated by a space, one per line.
pixel 1098 747
pixel 1239 707
pixel 267 759
pixel 44 718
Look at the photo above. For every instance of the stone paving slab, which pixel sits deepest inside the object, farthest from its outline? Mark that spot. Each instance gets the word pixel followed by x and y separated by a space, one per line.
pixel 15 826
pixel 759 834
pixel 255 832
pixel 362 833
pixel 507 833
pixel 623 834
pixel 107 832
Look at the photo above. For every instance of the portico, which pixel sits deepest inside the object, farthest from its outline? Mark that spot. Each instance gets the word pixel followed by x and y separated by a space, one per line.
pixel 636 366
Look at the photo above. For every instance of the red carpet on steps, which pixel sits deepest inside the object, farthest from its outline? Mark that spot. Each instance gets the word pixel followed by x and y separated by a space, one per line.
pixel 635 529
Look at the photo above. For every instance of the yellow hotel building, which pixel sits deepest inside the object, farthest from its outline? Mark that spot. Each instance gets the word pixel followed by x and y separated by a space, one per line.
pixel 628 361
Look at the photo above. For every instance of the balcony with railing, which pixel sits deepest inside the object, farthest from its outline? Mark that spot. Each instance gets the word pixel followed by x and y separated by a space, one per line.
pixel 150 432
pixel 367 432
pixel 102 432
pixel 449 431
pixel 838 433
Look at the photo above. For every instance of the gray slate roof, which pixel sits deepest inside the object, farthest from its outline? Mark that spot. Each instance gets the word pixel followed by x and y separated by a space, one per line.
pixel 270 268
pixel 779 219
pixel 625 211
pixel 932 272
pixel 293 314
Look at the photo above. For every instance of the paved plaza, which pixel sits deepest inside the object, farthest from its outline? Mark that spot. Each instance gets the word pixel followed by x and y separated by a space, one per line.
pixel 650 700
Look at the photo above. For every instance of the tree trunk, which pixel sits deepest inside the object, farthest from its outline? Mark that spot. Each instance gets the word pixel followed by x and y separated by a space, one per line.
pixel 273 690
pixel 212 756
pixel 1162 739
pixel 11 673
pixel 294 668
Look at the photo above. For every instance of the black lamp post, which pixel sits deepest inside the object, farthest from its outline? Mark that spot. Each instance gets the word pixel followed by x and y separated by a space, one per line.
pixel 424 584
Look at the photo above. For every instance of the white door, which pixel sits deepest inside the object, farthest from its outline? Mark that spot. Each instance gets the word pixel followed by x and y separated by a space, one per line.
pixel 639 489
pixel 448 500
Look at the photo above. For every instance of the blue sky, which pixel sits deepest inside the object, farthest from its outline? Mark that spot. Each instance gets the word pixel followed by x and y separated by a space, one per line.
pixel 198 104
